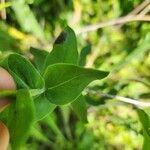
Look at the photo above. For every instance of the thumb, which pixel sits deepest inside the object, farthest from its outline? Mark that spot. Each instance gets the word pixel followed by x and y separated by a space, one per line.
pixel 4 137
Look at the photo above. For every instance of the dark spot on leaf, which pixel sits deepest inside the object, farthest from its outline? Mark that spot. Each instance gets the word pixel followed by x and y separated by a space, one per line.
pixel 61 38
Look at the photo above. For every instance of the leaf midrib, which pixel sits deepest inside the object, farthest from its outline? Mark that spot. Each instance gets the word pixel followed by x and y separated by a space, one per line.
pixel 66 81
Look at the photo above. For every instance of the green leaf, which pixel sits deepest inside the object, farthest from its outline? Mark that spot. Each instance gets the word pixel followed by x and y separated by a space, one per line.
pixel 8 43
pixel 137 53
pixel 146 144
pixel 51 123
pixel 43 107
pixel 27 19
pixel 64 49
pixel 83 55
pixel 65 82
pixel 145 95
pixel 79 107
pixel 37 134
pixel 39 57
pixel 24 73
pixel 20 118
pixel 145 120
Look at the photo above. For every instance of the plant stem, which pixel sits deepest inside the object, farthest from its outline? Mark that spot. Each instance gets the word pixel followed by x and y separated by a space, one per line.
pixel 137 103
pixel 33 92
pixel 4 93
pixel 118 21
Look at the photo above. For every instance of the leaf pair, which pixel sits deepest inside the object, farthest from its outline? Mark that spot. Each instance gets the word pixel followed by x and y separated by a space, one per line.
pixel 64 79
pixel 55 79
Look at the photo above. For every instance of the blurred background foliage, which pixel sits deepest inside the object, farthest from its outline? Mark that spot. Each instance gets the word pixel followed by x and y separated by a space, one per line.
pixel 124 50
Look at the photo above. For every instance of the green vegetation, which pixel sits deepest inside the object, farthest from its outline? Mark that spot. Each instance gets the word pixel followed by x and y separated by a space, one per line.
pixel 54 50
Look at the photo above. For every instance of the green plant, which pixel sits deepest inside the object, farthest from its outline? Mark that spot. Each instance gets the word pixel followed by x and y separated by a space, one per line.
pixel 43 83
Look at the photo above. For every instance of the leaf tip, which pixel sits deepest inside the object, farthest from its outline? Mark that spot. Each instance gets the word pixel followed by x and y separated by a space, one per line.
pixel 61 38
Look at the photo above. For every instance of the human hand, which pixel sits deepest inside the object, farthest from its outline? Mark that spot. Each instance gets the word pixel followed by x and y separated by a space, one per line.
pixel 6 83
